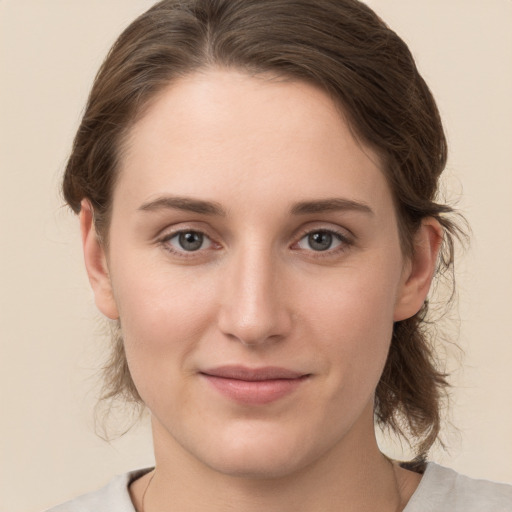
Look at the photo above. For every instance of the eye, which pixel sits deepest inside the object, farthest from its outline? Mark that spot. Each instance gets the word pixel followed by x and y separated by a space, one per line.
pixel 321 240
pixel 188 241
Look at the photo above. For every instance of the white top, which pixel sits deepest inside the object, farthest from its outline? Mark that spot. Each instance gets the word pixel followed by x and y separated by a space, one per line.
pixel 440 490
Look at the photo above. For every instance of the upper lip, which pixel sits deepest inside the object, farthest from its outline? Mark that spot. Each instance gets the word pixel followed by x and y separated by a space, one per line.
pixel 252 374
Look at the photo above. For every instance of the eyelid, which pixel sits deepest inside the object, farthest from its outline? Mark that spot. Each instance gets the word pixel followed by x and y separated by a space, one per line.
pixel 169 234
pixel 313 227
pixel 343 235
pixel 204 240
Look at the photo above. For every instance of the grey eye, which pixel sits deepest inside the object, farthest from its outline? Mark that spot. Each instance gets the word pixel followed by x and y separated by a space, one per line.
pixel 189 241
pixel 320 241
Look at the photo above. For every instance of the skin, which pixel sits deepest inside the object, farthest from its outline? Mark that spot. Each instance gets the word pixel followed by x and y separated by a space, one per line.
pixel 269 156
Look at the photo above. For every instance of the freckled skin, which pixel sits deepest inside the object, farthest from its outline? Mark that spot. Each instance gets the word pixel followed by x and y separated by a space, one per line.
pixel 256 292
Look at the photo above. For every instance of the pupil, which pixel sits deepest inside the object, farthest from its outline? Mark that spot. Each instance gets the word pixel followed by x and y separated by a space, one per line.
pixel 191 241
pixel 320 241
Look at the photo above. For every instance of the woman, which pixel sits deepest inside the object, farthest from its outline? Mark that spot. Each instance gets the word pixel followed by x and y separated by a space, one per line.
pixel 256 184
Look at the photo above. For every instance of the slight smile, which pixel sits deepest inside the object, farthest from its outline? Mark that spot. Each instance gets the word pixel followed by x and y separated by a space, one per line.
pixel 254 386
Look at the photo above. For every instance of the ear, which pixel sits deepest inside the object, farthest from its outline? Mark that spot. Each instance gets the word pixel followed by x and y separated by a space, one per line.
pixel 96 263
pixel 419 269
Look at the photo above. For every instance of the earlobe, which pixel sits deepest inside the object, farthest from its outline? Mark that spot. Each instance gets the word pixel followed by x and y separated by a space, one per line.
pixel 419 270
pixel 96 263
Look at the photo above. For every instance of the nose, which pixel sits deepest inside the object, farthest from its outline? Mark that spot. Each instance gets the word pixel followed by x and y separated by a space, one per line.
pixel 254 306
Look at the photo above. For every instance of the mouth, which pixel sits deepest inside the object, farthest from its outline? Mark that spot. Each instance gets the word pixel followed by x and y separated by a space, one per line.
pixel 254 386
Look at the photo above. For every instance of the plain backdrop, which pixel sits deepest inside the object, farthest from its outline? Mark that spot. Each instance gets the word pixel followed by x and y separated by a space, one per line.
pixel 51 345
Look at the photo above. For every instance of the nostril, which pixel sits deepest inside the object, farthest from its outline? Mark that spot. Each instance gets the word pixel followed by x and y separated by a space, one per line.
pixel 254 309
pixel 262 328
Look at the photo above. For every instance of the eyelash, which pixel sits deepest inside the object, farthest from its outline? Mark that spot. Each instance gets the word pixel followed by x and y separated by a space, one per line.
pixel 344 242
pixel 165 243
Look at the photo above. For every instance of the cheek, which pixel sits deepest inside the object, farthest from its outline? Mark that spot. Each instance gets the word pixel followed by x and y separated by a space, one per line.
pixel 155 296
pixel 354 324
pixel 358 301
pixel 163 317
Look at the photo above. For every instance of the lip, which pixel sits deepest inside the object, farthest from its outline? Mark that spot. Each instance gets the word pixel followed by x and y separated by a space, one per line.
pixel 254 386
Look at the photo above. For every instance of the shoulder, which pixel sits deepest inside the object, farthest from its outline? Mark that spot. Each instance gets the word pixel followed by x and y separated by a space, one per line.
pixel 442 489
pixel 114 497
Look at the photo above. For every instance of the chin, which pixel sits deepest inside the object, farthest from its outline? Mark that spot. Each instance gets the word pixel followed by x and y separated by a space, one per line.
pixel 260 466
pixel 263 453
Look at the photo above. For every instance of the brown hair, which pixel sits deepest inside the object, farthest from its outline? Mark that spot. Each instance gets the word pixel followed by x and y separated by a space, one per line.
pixel 341 46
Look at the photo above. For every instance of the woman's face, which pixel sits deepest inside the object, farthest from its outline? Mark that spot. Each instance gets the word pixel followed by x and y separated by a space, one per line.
pixel 255 265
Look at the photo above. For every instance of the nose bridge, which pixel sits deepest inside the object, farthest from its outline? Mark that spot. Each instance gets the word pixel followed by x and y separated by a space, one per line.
pixel 253 307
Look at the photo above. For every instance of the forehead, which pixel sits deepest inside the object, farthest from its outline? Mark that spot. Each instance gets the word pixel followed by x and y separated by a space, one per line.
pixel 223 131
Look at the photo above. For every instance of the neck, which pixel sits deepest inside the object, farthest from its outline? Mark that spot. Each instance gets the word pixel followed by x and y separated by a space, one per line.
pixel 353 477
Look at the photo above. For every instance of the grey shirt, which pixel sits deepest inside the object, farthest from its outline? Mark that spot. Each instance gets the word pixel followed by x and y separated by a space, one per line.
pixel 440 490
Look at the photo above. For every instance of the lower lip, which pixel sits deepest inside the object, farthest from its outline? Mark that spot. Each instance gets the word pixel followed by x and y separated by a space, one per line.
pixel 254 392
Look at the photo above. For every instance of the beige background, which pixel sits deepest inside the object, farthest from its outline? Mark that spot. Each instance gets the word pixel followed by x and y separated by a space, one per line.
pixel 50 346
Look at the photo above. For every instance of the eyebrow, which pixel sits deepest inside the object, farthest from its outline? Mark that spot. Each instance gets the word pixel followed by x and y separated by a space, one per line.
pixel 185 204
pixel 328 205
pixel 212 208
